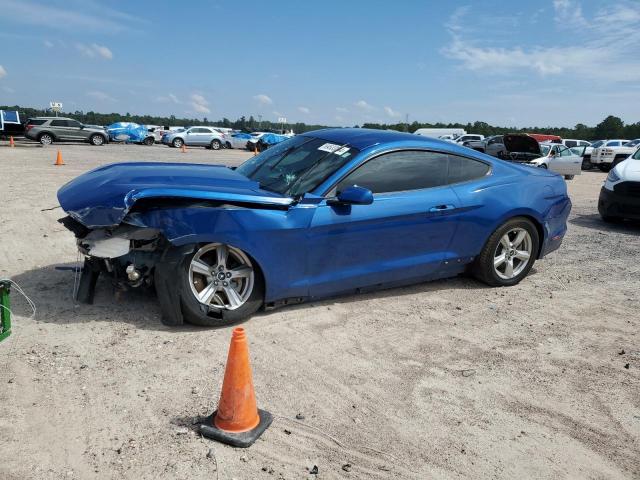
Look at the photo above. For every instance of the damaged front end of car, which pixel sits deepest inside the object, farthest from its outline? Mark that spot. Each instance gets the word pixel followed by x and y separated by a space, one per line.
pixel 136 223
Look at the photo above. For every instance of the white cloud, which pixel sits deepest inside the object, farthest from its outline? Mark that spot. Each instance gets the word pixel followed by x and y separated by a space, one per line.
pixel 101 96
pixel 91 17
pixel 603 47
pixel 3 72
pixel 391 112
pixel 169 98
pixel 263 99
pixel 199 103
pixel 94 50
pixel 364 105
pixel 48 44
pixel 303 110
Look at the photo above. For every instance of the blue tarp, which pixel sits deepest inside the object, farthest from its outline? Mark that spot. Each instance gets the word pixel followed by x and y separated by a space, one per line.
pixel 127 132
pixel 272 138
pixel 244 136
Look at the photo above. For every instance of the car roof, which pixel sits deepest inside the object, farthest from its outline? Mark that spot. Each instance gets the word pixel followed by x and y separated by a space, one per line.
pixel 362 138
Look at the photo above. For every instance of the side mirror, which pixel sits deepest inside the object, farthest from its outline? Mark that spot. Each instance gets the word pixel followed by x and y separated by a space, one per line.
pixel 353 196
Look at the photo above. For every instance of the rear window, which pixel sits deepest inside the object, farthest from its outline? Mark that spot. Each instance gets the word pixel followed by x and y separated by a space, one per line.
pixel 570 143
pixel 35 121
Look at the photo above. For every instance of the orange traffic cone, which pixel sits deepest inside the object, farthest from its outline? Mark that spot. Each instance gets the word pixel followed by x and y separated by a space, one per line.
pixel 238 421
pixel 11 142
pixel 184 148
pixel 59 160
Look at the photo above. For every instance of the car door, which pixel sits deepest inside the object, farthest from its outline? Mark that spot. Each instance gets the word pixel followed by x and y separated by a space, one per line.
pixel 75 130
pixel 402 236
pixel 60 130
pixel 191 136
pixel 565 162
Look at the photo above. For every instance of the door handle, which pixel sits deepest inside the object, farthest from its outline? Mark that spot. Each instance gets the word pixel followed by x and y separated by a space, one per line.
pixel 441 208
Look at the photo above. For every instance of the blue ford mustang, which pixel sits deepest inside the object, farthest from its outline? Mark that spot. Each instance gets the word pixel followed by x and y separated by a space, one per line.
pixel 335 211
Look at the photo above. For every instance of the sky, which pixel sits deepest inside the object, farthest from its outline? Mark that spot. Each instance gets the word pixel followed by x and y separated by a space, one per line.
pixel 335 62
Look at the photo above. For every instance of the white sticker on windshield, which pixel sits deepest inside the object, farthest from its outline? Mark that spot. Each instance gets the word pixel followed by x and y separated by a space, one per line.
pixel 329 147
pixel 341 151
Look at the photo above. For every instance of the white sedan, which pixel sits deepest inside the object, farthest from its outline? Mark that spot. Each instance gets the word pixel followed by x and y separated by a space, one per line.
pixel 559 159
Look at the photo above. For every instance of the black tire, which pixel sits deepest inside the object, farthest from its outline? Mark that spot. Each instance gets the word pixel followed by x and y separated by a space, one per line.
pixel 229 145
pixel 604 167
pixel 569 177
pixel 483 268
pixel 177 142
pixel 618 159
pixel 96 140
pixel 610 219
pixel 45 139
pixel 543 165
pixel 215 145
pixel 195 313
pixel 586 163
pixel 149 141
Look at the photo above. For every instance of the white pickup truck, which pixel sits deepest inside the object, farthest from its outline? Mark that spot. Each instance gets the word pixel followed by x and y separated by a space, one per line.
pixel 612 152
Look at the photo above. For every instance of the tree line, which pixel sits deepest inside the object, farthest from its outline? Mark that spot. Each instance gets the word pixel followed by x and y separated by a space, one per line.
pixel 610 127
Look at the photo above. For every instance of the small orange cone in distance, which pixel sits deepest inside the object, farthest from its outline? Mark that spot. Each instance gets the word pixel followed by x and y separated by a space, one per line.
pixel 59 160
pixel 184 148
pixel 11 142
pixel 255 149
pixel 238 421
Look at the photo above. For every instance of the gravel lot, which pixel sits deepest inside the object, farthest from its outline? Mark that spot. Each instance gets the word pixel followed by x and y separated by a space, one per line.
pixel 448 379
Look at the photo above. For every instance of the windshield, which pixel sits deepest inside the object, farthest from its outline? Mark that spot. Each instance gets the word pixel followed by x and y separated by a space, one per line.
pixel 597 144
pixel 296 166
pixel 545 149
pixel 632 143
pixel 636 156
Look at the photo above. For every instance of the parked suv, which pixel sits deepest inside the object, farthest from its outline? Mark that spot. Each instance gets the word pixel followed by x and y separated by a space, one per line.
pixel 47 130
pixel 196 137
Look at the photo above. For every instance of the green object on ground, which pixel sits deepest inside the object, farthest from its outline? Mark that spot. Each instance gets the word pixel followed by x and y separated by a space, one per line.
pixel 5 312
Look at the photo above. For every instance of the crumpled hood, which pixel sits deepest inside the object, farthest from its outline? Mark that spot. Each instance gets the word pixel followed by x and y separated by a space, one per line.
pixel 104 196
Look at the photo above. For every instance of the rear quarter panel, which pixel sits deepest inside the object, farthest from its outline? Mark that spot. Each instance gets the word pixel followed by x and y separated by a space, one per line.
pixel 509 191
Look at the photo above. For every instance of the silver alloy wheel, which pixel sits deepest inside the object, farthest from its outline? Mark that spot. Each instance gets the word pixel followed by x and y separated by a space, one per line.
pixel 177 142
pixel 215 145
pixel 221 277
pixel 97 140
pixel 512 253
pixel 46 139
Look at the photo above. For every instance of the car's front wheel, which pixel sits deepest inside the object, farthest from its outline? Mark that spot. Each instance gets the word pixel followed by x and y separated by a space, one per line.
pixel 508 254
pixel 149 141
pixel 96 140
pixel 177 142
pixel 216 145
pixel 220 285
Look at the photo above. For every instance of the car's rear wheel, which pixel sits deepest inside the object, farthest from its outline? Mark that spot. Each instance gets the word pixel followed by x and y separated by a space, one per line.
pixel 509 253
pixel 45 139
pixel 604 167
pixel 586 164
pixel 177 142
pixel 543 165
pixel 96 140
pixel 149 141
pixel 220 285
pixel 229 145
pixel 216 145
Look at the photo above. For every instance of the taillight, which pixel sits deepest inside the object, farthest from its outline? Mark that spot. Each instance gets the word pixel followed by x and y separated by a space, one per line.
pixel 28 127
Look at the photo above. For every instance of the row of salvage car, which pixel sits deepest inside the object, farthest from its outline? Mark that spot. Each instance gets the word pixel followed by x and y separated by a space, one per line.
pixel 566 157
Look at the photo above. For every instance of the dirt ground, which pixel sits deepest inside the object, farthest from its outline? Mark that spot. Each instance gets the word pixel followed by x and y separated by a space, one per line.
pixel 448 379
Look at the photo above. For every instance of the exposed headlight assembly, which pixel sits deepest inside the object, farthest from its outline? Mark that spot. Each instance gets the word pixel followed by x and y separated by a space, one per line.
pixel 613 176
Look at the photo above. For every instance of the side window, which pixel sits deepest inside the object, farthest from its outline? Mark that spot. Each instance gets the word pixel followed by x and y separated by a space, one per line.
pixel 613 144
pixel 73 123
pixel 58 123
pixel 570 143
pixel 565 152
pixel 463 169
pixel 400 171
